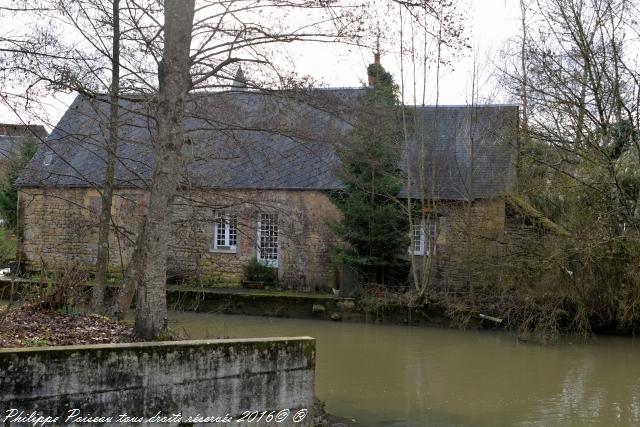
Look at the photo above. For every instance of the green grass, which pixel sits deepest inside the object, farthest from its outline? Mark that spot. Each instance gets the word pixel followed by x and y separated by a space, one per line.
pixel 34 342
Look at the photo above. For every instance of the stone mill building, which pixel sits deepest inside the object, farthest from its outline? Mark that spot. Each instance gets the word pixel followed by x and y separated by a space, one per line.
pixel 258 181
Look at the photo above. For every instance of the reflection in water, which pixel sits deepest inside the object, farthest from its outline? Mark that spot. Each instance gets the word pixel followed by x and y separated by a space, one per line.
pixel 382 375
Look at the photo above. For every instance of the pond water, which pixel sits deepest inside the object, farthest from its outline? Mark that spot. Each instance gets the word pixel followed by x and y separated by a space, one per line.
pixel 384 375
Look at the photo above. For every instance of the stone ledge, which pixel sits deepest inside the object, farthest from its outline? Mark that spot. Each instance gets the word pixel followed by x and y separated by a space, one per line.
pixel 151 344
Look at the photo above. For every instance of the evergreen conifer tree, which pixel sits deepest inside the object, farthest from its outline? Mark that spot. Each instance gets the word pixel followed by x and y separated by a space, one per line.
pixel 8 190
pixel 374 227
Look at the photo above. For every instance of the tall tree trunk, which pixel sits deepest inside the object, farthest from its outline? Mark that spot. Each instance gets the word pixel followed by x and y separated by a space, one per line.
pixel 132 277
pixel 174 80
pixel 524 96
pixel 102 260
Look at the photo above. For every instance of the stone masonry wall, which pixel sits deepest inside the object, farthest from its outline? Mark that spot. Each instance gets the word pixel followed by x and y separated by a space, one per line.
pixel 465 232
pixel 59 226
pixel 212 378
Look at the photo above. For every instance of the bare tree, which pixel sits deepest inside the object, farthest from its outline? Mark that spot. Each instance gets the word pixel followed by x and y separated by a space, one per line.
pixel 577 69
pixel 581 84
pixel 74 47
pixel 524 90
pixel 224 34
pixel 431 35
pixel 174 83
pixel 220 35
pixel 102 258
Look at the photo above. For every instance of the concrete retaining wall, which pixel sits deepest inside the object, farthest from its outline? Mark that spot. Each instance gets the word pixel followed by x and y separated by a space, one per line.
pixel 214 378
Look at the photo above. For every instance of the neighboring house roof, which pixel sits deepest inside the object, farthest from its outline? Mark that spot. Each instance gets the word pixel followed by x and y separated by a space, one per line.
pixel 12 134
pixel 249 140
pixel 461 152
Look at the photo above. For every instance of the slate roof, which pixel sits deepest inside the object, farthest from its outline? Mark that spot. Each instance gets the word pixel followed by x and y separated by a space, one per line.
pixel 461 152
pixel 12 134
pixel 248 140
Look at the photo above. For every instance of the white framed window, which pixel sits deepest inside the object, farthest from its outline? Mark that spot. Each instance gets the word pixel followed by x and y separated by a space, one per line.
pixel 417 239
pixel 268 239
pixel 423 239
pixel 225 233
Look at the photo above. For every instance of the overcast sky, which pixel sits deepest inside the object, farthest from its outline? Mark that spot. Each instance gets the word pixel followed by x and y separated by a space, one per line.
pixel 490 23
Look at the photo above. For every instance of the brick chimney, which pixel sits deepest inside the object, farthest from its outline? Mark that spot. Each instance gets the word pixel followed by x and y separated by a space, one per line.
pixel 239 81
pixel 373 76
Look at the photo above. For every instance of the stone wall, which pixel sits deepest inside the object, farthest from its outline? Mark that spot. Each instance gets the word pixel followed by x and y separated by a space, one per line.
pixel 59 226
pixel 214 378
pixel 467 236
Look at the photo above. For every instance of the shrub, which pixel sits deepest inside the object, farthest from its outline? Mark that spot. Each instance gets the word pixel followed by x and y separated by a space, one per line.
pixel 65 291
pixel 254 271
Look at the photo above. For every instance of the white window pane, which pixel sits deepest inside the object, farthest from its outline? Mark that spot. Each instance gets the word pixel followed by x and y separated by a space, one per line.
pixel 268 238
pixel 225 235
pixel 220 235
pixel 417 239
pixel 233 233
